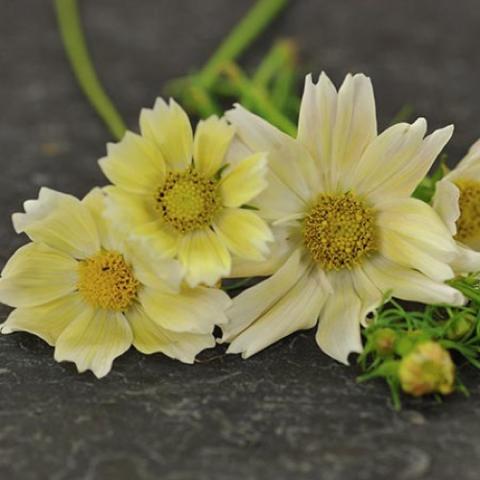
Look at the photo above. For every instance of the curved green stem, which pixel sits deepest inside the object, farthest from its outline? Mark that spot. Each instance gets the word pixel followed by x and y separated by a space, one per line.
pixel 77 53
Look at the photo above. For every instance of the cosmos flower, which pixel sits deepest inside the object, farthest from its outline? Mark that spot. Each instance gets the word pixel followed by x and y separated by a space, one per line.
pixel 339 197
pixel 457 200
pixel 181 195
pixel 84 289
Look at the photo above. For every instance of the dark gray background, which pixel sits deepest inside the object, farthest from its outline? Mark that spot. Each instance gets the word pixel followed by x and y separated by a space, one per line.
pixel 289 412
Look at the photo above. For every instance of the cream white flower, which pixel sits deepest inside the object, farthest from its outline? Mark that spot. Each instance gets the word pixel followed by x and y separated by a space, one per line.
pixel 180 194
pixel 84 289
pixel 457 201
pixel 339 197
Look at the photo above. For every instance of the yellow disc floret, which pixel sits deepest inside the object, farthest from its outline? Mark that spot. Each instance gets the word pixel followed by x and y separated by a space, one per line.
pixel 188 201
pixel 339 231
pixel 107 281
pixel 468 224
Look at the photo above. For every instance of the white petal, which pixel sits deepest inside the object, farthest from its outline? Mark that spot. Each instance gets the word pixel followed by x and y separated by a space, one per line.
pixel 355 127
pixel 445 202
pixel 412 234
pixel 169 128
pixel 288 160
pixel 149 337
pixel 60 221
pixel 338 332
pixel 316 123
pixel 37 274
pixel 92 342
pixel 466 260
pixel 409 284
pixel 297 309
pixel 252 303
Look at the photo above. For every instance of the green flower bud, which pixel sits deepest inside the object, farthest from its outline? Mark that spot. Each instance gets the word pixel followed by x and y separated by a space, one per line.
pixel 460 327
pixel 383 341
pixel 428 368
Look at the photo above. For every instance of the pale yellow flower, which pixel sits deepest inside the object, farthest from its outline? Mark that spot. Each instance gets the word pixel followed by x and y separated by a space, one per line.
pixel 184 195
pixel 457 200
pixel 84 289
pixel 348 231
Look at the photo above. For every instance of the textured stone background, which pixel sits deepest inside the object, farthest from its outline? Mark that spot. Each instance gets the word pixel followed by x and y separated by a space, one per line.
pixel 290 412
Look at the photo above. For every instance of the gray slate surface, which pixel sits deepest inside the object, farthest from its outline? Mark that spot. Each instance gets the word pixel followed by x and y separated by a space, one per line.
pixel 289 412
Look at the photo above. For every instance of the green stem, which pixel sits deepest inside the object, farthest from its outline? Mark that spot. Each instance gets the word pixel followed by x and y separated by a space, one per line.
pixel 260 100
pixel 240 38
pixel 81 63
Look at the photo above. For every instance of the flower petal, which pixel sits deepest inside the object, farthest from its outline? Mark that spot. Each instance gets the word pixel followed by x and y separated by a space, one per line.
pixel 212 139
pixel 355 127
pixel 134 164
pixel 169 128
pixel 445 203
pixel 338 332
pixel 47 321
pixel 37 274
pixel 408 161
pixel 245 181
pixel 244 233
pixel 280 250
pixel 149 337
pixel 316 123
pixel 298 309
pixel 253 303
pixel 289 161
pixel 409 284
pixel 466 260
pixel 193 310
pixel 204 257
pixel 60 221
pixel 93 341
pixel 413 235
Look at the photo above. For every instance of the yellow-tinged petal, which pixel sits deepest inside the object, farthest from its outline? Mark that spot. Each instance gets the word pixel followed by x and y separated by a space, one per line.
pixel 93 341
pixel 212 140
pixel 338 332
pixel 298 309
pixel 408 284
pixel 445 203
pixel 355 126
pixel 61 221
pixel 193 310
pixel 204 257
pixel 149 337
pixel 244 233
pixel 169 128
pixel 412 234
pixel 255 301
pixel 47 321
pixel 37 274
pixel 134 164
pixel 245 181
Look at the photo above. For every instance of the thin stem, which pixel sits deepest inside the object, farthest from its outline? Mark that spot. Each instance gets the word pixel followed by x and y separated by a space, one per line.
pixel 81 63
pixel 259 99
pixel 240 38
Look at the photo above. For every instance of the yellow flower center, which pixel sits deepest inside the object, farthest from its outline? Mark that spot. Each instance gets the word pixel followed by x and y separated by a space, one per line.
pixel 468 224
pixel 106 281
pixel 339 231
pixel 188 201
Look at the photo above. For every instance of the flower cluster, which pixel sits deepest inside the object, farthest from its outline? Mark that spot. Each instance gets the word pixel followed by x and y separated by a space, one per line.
pixel 329 218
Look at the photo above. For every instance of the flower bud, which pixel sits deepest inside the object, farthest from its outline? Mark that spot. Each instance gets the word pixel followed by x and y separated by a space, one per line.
pixel 460 327
pixel 428 368
pixel 384 341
